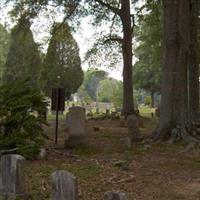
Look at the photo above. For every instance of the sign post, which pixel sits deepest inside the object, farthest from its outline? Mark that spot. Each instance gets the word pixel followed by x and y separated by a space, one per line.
pixel 57 104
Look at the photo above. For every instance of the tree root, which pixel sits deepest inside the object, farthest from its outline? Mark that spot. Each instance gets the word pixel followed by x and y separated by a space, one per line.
pixel 187 132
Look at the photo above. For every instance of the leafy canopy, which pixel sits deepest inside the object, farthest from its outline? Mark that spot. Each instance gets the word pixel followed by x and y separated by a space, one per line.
pixel 62 65
pixel 148 52
pixel 4 46
pixel 92 80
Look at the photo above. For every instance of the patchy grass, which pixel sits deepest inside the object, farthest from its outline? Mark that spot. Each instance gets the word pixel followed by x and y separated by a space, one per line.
pixel 144 172
pixel 146 111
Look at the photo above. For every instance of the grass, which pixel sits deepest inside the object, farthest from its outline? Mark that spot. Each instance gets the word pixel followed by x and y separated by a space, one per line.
pixel 158 170
pixel 146 111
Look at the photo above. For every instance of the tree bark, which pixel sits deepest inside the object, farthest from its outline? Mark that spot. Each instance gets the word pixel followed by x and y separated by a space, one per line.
pixel 128 106
pixel 193 64
pixel 174 103
pixel 152 99
pixel 125 15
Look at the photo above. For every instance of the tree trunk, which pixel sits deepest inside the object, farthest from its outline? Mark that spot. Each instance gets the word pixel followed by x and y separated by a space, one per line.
pixel 174 103
pixel 128 106
pixel 193 64
pixel 152 99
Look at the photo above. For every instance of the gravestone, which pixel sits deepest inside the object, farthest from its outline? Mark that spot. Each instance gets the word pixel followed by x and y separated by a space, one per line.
pixel 12 181
pixel 115 196
pixel 107 112
pixel 97 110
pixel 76 126
pixel 133 127
pixel 64 186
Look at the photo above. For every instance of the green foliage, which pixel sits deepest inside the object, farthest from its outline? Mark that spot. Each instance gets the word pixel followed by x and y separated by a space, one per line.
pixel 149 33
pixel 29 151
pixel 21 117
pixel 23 60
pixel 92 80
pixel 4 46
pixel 62 65
pixel 148 100
pixel 110 90
pixel 83 94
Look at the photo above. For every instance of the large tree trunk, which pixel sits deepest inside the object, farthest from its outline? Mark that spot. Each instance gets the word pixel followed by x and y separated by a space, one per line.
pixel 194 64
pixel 174 103
pixel 128 106
pixel 152 99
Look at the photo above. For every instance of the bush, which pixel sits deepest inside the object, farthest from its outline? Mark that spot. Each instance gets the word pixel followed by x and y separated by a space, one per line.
pixel 21 118
pixel 148 100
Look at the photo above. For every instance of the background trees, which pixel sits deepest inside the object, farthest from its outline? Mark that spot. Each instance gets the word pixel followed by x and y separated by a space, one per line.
pixel 4 46
pixel 148 51
pixel 117 13
pixel 23 59
pixel 92 79
pixel 62 65
pixel 111 90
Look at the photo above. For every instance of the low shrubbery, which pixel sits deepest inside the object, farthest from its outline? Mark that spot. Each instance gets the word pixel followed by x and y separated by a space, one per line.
pixel 22 114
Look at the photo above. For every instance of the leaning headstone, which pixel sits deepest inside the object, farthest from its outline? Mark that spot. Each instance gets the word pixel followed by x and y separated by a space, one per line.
pixel 76 126
pixel 133 127
pixel 115 196
pixel 12 181
pixel 64 186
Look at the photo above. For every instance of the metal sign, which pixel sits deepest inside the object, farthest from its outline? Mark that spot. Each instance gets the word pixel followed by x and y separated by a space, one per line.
pixel 58 99
pixel 57 104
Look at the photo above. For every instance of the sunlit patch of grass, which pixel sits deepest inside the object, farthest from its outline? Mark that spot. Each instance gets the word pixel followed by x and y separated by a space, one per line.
pixel 146 111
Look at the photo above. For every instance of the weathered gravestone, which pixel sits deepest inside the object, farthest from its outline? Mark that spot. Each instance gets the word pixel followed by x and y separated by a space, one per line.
pixel 12 181
pixel 64 186
pixel 76 126
pixel 115 196
pixel 107 112
pixel 133 127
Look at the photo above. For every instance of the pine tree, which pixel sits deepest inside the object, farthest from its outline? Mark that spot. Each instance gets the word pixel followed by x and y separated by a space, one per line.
pixel 62 65
pixel 23 60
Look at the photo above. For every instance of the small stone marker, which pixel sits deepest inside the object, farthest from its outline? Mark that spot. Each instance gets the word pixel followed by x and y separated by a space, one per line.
pixel 12 181
pixel 64 186
pixel 42 154
pixel 76 126
pixel 115 196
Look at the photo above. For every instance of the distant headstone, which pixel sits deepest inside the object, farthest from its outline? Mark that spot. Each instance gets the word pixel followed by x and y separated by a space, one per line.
pixel 97 110
pixel 133 127
pixel 76 126
pixel 42 154
pixel 12 181
pixel 107 112
pixel 115 196
pixel 64 186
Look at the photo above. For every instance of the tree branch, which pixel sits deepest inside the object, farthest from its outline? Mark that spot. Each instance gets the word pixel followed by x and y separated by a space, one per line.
pixel 113 39
pixel 107 5
pixel 133 25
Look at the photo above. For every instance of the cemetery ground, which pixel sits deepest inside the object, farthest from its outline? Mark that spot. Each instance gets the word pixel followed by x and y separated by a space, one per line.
pixel 146 171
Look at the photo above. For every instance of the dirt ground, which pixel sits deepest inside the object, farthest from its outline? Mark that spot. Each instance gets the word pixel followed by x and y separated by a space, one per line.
pixel 145 171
